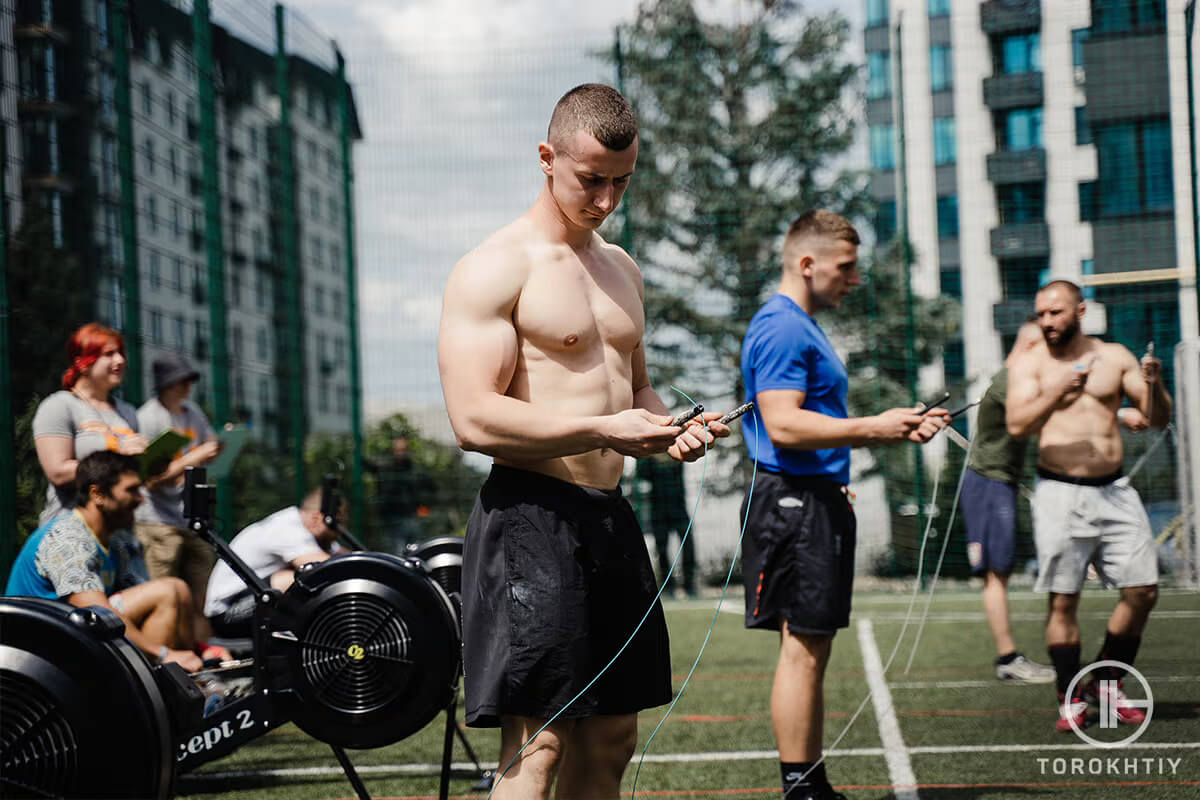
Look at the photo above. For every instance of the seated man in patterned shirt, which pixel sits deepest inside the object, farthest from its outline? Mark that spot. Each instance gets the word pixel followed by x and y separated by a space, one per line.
pixel 88 558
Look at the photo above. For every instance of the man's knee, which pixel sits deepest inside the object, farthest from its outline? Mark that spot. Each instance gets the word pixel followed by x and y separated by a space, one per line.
pixel 805 650
pixel 1064 605
pixel 1142 598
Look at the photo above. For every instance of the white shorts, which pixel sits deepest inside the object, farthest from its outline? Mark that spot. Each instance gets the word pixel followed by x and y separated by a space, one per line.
pixel 1076 525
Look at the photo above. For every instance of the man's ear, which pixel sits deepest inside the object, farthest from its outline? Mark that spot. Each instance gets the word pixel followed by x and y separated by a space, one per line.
pixel 546 158
pixel 805 265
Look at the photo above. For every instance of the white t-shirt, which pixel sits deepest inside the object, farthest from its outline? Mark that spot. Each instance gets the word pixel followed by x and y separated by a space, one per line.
pixel 267 546
pixel 164 505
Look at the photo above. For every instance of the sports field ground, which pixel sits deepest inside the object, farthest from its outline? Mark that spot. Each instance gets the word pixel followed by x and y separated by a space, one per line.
pixel 944 728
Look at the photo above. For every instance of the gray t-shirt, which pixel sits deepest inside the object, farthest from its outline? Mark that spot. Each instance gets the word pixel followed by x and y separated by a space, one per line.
pixel 91 427
pixel 164 504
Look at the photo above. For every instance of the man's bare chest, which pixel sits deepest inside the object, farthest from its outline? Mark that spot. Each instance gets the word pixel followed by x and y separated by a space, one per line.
pixel 571 309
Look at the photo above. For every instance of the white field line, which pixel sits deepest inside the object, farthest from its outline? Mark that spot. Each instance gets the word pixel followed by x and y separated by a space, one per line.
pixel 1153 679
pixel 682 758
pixel 900 769
pixel 1020 616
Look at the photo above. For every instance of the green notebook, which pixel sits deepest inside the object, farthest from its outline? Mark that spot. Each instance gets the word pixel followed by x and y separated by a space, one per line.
pixel 233 438
pixel 161 451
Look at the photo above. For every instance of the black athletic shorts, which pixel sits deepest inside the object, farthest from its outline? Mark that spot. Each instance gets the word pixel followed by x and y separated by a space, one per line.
pixel 798 554
pixel 555 579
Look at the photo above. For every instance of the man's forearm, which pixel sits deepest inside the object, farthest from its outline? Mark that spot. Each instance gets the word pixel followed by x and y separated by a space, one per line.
pixel 505 427
pixel 1159 406
pixel 1027 419
pixel 809 430
pixel 648 398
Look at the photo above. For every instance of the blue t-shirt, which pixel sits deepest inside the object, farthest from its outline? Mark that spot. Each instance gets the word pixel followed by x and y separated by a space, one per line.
pixel 784 348
pixel 62 558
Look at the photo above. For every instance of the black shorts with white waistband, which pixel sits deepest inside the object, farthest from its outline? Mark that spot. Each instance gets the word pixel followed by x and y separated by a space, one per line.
pixel 798 554
pixel 555 580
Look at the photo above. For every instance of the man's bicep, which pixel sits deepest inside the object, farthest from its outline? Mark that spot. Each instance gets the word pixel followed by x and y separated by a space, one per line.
pixel 477 343
pixel 1023 388
pixel 777 406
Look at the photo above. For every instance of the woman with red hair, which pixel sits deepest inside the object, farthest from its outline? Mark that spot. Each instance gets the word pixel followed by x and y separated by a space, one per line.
pixel 84 417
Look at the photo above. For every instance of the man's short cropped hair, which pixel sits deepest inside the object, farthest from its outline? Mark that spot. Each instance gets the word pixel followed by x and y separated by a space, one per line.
pixel 1061 283
pixel 597 109
pixel 101 469
pixel 817 224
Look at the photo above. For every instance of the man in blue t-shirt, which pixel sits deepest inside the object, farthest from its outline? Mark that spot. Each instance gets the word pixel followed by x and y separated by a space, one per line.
pixel 798 552
pixel 88 557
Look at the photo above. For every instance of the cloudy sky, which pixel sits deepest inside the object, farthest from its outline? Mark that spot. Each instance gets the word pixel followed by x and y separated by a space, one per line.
pixel 453 96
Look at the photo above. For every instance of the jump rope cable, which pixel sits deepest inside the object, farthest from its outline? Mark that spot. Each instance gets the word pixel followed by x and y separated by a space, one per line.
pixel 716 614
pixel 653 604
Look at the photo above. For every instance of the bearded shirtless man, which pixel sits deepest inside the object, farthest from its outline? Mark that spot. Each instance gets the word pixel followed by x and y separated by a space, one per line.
pixel 544 368
pixel 1084 511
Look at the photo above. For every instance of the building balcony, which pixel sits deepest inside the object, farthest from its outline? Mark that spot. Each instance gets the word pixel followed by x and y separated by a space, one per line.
pixel 1009 316
pixel 1001 92
pixel 1023 240
pixel 1010 16
pixel 1018 166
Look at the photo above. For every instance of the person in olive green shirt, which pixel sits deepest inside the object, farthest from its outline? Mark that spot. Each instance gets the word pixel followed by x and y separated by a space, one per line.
pixel 989 500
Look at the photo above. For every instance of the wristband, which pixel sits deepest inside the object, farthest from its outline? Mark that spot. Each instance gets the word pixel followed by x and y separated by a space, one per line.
pixel 162 653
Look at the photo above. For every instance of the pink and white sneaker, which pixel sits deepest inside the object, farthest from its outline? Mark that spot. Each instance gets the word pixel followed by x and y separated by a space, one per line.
pixel 1105 693
pixel 1074 710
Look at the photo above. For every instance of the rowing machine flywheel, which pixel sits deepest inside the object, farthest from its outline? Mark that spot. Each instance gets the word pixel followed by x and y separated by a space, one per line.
pixel 376 652
pixel 80 712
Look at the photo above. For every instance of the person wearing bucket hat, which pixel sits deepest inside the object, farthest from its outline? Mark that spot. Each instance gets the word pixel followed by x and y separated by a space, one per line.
pixel 171 550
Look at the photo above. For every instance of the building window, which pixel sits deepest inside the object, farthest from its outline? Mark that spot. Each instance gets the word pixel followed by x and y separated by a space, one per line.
pixel 236 341
pixel 156 326
pixel 1135 167
pixel 319 300
pixel 335 257
pixel 883 147
pixel 947 216
pixel 1019 53
pixel 1078 37
pixel 154 270
pixel 178 282
pixel 1088 267
pixel 1021 202
pixel 951 282
pixel 147 100
pixel 323 397
pixel 317 253
pixel 333 210
pixel 260 290
pixel 148 153
pixel 879 75
pixel 1083 130
pixel 943 140
pixel 170 110
pixel 941 68
pixel 955 361
pixel 151 213
pixel 335 302
pixel 939 8
pixel 1128 16
pixel 264 395
pixel 885 221
pixel 1021 278
pixel 314 204
pixel 877 12
pixel 263 345
pixel 176 218
pixel 1020 129
pixel 173 161
pixel 180 332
